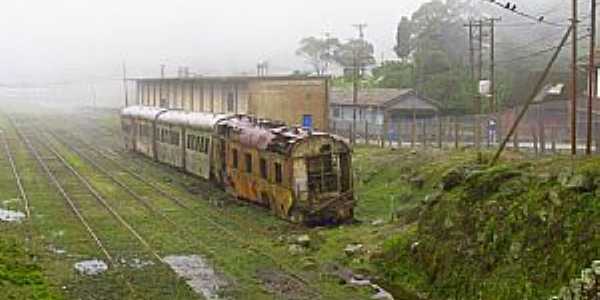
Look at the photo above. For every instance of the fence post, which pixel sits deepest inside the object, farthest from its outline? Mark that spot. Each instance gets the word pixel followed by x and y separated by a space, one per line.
pixel 333 125
pixel 535 139
pixel 413 130
pixel 596 127
pixel 456 131
pixel 553 133
pixel 424 122
pixel 516 140
pixel 439 135
pixel 399 129
pixel 542 138
pixel 366 132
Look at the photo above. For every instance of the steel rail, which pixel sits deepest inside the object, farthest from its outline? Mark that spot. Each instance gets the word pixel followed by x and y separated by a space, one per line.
pixel 62 191
pixel 16 175
pixel 215 224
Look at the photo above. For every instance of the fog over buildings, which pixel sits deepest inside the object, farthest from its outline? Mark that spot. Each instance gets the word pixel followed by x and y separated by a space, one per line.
pixel 83 43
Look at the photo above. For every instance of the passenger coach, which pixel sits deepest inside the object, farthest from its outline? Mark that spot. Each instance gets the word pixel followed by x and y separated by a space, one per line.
pixel 300 175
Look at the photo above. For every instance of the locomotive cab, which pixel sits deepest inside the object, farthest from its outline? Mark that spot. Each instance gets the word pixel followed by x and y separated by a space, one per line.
pixel 322 181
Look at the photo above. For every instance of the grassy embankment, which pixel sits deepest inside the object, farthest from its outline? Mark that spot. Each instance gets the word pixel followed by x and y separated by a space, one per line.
pixel 519 230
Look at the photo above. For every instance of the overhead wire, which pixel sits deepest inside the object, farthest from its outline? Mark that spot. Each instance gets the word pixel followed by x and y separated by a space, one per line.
pixel 513 8
pixel 535 54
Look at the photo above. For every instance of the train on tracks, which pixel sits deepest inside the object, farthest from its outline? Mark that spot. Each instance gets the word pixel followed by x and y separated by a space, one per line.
pixel 299 174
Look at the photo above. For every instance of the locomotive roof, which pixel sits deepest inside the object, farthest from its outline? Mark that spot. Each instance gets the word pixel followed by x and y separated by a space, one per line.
pixel 269 135
pixel 192 119
pixel 178 117
pixel 144 112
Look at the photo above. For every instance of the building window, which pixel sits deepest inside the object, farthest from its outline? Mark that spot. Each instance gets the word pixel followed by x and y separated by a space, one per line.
pixel 230 107
pixel 248 159
pixel 263 168
pixel 234 159
pixel 164 103
pixel 278 173
pixel 336 112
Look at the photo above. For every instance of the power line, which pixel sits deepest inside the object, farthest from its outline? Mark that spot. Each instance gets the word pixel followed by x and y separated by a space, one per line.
pixel 540 40
pixel 534 54
pixel 513 8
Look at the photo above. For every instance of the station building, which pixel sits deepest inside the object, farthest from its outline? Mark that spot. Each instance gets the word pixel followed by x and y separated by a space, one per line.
pixel 295 100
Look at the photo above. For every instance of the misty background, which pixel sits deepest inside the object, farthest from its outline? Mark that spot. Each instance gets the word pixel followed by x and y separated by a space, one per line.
pixel 73 50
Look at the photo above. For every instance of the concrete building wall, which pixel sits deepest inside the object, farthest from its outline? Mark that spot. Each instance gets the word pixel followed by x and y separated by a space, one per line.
pixel 290 100
pixel 284 99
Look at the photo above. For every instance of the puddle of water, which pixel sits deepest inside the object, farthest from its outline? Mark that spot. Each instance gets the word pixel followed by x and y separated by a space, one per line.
pixel 201 277
pixel 136 263
pixel 11 215
pixel 380 294
pixel 91 267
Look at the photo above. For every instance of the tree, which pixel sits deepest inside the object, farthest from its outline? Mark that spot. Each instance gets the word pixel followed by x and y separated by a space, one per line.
pixel 355 52
pixel 393 74
pixel 403 34
pixel 318 52
pixel 434 41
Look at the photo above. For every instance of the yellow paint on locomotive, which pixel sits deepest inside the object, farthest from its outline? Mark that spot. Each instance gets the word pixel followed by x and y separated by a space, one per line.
pixel 248 181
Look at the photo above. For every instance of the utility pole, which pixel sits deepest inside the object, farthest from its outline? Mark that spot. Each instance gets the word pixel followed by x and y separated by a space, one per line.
pixel 478 97
pixel 354 96
pixel 125 85
pixel 356 68
pixel 591 79
pixel 162 71
pixel 471 50
pixel 574 78
pixel 493 102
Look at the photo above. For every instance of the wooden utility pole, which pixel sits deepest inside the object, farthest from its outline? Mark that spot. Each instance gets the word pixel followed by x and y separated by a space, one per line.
pixel 125 90
pixel 354 96
pixel 493 102
pixel 357 67
pixel 591 79
pixel 534 92
pixel 471 50
pixel 478 97
pixel 574 78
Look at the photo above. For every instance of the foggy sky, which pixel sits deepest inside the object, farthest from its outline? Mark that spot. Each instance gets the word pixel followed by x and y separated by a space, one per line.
pixel 82 43
pixel 67 40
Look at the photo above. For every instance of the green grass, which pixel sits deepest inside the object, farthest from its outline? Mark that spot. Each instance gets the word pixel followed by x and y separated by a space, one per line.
pixel 513 231
pixel 21 275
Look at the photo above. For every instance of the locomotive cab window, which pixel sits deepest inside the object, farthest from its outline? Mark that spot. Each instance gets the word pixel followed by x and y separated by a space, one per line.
pixel 234 159
pixel 263 168
pixel 278 173
pixel 248 159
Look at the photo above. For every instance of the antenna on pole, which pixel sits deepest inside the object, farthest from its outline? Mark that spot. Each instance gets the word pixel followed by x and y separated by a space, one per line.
pixel 361 29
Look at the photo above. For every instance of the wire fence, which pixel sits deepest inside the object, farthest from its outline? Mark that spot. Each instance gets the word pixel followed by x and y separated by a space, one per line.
pixel 539 132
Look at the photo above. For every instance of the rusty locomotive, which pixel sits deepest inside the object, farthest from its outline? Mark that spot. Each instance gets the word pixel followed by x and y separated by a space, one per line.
pixel 300 175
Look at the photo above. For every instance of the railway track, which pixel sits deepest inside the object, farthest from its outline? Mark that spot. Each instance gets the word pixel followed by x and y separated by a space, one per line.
pixel 212 219
pixel 76 194
pixel 16 176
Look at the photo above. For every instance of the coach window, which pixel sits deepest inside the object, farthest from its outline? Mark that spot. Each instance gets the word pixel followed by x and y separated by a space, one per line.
pixel 234 159
pixel 263 168
pixel 175 138
pixel 189 142
pixel 248 159
pixel 278 173
pixel 230 102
